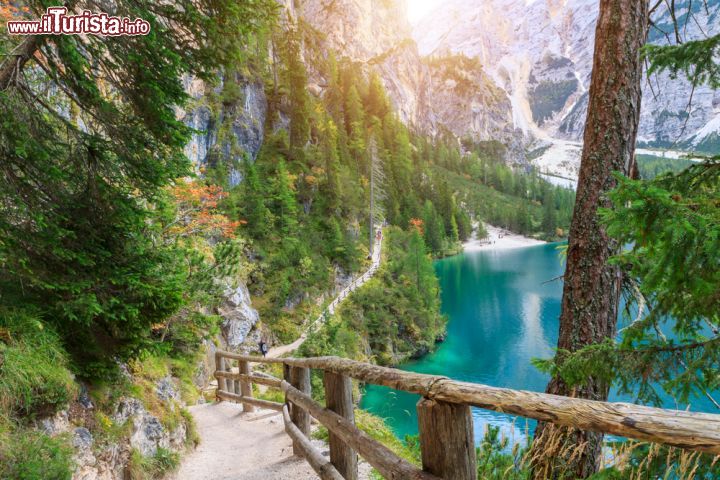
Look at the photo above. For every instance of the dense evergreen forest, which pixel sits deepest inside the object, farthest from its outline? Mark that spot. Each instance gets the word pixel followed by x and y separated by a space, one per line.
pixel 304 203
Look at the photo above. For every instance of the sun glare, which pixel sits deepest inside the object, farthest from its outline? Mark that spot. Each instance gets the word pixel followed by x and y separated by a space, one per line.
pixel 417 9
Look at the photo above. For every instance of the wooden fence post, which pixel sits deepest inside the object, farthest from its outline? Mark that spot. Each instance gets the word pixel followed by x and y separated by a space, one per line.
pixel 338 398
pixel 286 377
pixel 300 379
pixel 234 383
pixel 446 440
pixel 245 387
pixel 229 385
pixel 220 366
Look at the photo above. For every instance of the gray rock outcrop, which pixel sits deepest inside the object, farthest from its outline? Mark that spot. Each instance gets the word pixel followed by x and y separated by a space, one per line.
pixel 540 54
pixel 241 121
pixel 239 317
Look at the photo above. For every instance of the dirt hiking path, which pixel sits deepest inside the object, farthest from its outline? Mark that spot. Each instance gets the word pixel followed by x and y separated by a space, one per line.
pixel 241 446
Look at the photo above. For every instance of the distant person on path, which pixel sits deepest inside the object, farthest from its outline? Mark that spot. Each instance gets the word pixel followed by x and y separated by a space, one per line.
pixel 263 348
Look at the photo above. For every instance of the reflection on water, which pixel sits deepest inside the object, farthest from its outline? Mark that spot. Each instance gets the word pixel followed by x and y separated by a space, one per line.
pixel 503 308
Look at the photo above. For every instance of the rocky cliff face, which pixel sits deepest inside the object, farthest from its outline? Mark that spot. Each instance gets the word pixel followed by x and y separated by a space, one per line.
pixel 229 128
pixel 444 94
pixel 539 52
pixel 103 456
pixel 517 71
pixel 239 318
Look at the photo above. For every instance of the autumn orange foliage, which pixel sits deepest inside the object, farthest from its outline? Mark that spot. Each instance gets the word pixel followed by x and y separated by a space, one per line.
pixel 11 12
pixel 197 211
pixel 417 224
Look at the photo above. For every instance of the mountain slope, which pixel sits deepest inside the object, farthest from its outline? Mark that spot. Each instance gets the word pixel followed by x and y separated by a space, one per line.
pixel 540 53
pixel 446 94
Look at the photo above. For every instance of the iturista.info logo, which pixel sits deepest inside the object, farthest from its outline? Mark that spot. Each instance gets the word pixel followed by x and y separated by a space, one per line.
pixel 56 21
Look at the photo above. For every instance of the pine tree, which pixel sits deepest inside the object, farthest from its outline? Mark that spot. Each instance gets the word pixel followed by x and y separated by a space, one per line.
pixel 591 286
pixel 286 208
pixel 256 213
pixel 549 219
pixel 295 78
pixel 454 234
pixel 354 114
pixel 355 128
pixel 434 228
pixel 416 259
pixel 377 103
pixel 464 224
pixel 334 95
pixel 332 166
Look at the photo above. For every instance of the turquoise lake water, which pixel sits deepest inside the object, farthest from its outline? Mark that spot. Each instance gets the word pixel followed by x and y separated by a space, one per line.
pixel 503 310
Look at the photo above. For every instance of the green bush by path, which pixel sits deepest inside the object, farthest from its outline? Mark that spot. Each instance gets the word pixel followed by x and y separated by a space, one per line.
pixel 156 466
pixel 32 455
pixel 34 375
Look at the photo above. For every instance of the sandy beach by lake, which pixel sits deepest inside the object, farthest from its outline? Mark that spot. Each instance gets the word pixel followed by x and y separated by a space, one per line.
pixel 498 239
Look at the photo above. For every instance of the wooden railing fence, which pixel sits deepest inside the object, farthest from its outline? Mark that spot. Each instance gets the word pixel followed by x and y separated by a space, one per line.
pixel 444 416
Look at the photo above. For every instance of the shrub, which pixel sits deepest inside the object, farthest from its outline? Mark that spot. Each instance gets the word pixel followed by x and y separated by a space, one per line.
pixel 147 468
pixel 32 455
pixel 34 375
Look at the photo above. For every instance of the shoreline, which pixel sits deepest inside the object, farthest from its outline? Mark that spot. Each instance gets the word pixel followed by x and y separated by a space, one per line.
pixel 498 239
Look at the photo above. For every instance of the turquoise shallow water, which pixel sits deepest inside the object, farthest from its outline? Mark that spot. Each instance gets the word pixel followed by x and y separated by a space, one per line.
pixel 503 310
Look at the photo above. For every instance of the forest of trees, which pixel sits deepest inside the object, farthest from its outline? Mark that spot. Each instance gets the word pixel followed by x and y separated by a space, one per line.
pixel 109 263
pixel 304 203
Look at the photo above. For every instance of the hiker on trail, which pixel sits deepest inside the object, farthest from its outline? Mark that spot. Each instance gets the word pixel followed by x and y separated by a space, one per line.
pixel 263 348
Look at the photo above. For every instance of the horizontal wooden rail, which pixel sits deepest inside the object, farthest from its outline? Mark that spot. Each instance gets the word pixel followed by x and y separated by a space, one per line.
pixel 251 401
pixel 689 430
pixel 268 381
pixel 678 428
pixel 320 464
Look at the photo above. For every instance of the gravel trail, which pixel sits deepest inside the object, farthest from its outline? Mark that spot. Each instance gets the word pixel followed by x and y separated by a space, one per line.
pixel 241 446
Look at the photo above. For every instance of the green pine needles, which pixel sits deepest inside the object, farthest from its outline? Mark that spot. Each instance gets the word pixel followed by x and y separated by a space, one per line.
pixel 89 140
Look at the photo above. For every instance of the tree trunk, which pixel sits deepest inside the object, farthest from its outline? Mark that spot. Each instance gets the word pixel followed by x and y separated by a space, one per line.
pixel 592 287
pixel 12 66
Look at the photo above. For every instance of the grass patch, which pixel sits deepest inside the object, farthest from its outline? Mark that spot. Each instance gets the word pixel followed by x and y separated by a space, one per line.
pixel 147 372
pixel 269 394
pixel 184 370
pixel 379 430
pixel 149 468
pixel 108 432
pixel 32 455
pixel 376 428
pixel 34 375
pixel 192 437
